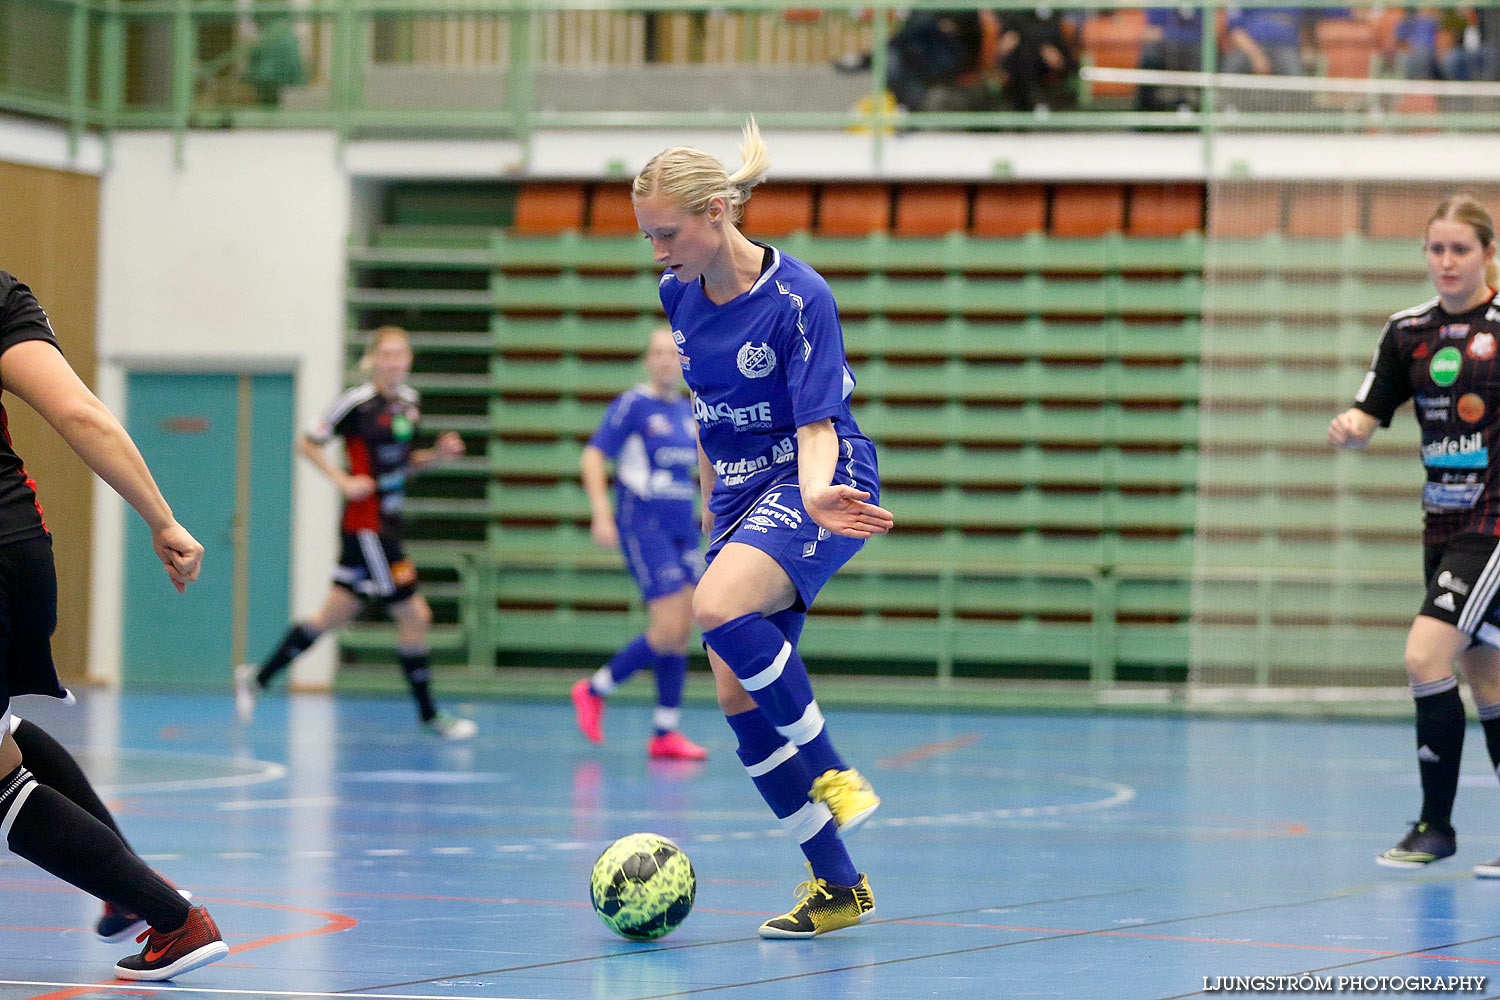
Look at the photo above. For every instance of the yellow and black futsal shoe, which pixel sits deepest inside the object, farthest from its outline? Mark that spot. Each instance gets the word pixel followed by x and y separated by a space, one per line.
pixel 1424 844
pixel 823 907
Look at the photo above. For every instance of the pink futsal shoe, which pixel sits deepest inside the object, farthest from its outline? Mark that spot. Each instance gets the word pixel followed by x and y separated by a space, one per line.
pixel 588 709
pixel 672 745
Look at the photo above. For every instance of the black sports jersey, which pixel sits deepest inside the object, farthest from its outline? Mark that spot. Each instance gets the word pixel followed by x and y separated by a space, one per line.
pixel 1446 365
pixel 21 319
pixel 377 434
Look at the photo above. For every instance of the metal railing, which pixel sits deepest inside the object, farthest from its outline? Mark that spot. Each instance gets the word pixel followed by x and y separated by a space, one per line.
pixel 507 68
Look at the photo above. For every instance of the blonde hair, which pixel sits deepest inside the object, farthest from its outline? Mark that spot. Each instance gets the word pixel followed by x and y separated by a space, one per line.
pixel 380 336
pixel 693 178
pixel 1465 208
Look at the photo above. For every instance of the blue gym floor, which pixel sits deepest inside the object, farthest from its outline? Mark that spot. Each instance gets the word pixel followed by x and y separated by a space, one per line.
pixel 1078 856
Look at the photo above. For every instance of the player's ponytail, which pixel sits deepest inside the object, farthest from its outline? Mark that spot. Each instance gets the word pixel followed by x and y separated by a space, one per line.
pixel 693 178
pixel 1466 208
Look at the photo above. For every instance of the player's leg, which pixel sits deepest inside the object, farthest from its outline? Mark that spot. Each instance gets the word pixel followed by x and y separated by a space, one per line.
pixel 764 692
pixel 1481 665
pixel 338 609
pixel 1431 649
pixel 413 616
pixel 52 765
pixel 43 826
pixel 670 625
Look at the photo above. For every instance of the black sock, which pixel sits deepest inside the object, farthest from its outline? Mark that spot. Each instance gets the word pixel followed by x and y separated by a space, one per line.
pixel 293 645
pixel 54 767
pixel 1489 721
pixel 414 665
pixel 59 837
pixel 1440 745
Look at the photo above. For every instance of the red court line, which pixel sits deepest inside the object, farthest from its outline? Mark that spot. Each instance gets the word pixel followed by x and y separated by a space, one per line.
pixel 335 922
pixel 929 750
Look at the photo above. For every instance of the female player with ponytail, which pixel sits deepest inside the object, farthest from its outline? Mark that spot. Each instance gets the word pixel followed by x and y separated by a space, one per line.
pixel 790 487
pixel 1442 356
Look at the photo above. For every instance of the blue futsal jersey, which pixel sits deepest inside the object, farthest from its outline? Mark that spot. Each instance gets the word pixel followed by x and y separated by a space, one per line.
pixel 655 452
pixel 760 366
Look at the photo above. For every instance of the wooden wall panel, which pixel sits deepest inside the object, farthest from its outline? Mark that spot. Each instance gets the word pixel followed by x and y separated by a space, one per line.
pixel 50 240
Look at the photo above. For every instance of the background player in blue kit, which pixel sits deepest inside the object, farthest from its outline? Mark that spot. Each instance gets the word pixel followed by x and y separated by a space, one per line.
pixel 648 434
pixel 377 421
pixel 1442 355
pixel 793 483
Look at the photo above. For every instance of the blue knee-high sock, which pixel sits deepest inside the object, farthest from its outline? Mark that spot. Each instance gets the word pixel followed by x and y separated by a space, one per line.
pixel 671 673
pixel 783 781
pixel 789 623
pixel 632 656
pixel 771 671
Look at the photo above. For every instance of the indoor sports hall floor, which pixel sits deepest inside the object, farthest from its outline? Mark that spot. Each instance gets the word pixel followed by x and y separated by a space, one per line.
pixel 1101 856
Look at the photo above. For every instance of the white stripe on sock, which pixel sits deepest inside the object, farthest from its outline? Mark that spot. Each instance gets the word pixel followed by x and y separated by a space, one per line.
pixel 15 809
pixel 783 753
pixel 769 675
pixel 805 728
pixel 805 823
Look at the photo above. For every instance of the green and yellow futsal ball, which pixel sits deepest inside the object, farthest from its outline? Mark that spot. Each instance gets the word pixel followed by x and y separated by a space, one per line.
pixel 643 886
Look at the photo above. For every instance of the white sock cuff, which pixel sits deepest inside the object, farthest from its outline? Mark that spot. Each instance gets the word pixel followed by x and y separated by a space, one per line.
pixel 12 797
pixel 603 682
pixel 666 718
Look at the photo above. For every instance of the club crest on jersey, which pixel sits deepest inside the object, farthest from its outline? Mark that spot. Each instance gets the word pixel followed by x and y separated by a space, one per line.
pixel 755 360
pixel 1453 331
pixel 1482 346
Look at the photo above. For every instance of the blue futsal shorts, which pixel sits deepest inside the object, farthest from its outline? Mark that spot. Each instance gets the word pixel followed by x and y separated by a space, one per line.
pixel 778 525
pixel 661 562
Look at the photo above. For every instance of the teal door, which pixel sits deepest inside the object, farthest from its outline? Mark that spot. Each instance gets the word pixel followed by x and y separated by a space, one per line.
pixel 220 447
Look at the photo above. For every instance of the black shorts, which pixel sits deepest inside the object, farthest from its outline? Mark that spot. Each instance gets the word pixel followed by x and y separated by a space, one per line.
pixel 373 566
pixel 1463 585
pixel 28 617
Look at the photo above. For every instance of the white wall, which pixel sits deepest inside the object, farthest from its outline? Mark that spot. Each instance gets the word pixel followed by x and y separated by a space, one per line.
pixel 230 257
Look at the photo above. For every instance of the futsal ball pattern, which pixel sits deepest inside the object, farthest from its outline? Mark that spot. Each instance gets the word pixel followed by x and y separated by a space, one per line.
pixel 643 886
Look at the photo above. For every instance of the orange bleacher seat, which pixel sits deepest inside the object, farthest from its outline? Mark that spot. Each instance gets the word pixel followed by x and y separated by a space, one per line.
pixel 1401 212
pixel 1113 38
pixel 610 211
pixel 854 209
pixel 1349 45
pixel 1244 209
pixel 1088 209
pixel 543 208
pixel 1009 210
pixel 779 209
pixel 931 209
pixel 1165 209
pixel 1317 212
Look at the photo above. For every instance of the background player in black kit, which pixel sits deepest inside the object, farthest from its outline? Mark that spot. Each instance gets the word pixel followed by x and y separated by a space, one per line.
pixel 49 814
pixel 1442 356
pixel 377 421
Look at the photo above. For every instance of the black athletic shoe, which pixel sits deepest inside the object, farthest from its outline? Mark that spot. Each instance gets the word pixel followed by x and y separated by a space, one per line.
pixel 1426 843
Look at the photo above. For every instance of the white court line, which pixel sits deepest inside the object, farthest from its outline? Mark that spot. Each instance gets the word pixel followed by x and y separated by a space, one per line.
pixel 175 988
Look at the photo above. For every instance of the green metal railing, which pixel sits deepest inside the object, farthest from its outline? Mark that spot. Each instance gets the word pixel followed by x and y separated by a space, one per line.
pixel 103 65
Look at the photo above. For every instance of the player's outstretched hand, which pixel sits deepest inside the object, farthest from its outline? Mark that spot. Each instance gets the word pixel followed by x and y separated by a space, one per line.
pixel 357 487
pixel 179 552
pixel 449 444
pixel 1351 429
pixel 843 511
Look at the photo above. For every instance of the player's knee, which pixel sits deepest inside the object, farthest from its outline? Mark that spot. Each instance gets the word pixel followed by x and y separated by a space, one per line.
pixel 1425 664
pixel 712 609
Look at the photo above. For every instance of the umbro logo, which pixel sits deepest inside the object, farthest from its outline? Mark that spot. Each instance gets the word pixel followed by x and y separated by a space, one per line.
pixel 1426 756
